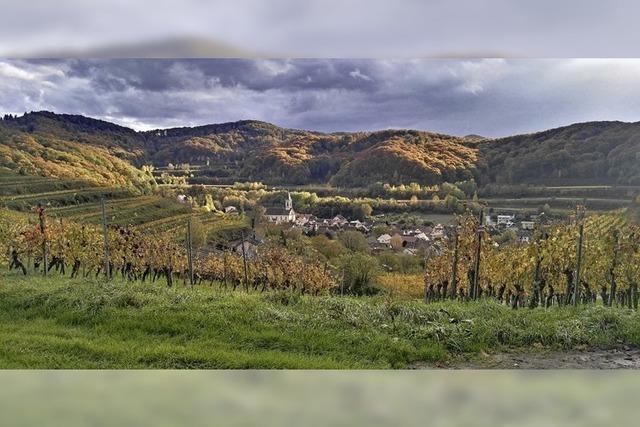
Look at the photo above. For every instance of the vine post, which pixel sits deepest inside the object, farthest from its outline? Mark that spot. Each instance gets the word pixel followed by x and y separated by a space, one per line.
pixel 43 228
pixel 244 263
pixel 612 269
pixel 476 268
pixel 454 267
pixel 580 212
pixel 105 234
pixel 189 252
pixel 426 291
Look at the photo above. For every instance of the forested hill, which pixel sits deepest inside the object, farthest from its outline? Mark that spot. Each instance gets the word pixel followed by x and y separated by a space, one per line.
pixel 72 147
pixel 48 143
pixel 107 154
pixel 593 152
pixel 260 151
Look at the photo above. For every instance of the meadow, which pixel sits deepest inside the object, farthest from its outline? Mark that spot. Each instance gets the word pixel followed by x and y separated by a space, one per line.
pixel 59 322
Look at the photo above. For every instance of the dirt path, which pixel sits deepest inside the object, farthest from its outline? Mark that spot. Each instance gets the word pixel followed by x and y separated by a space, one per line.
pixel 588 359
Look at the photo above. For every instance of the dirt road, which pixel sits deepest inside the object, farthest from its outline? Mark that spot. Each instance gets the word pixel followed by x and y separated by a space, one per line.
pixel 588 359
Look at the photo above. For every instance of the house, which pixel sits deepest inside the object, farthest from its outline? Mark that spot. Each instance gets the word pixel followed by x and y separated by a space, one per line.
pixel 422 236
pixel 250 246
pixel 304 219
pixel 182 198
pixel 280 215
pixel 527 225
pixel 506 220
pixel 376 245
pixel 359 225
pixel 231 210
pixel 338 221
pixel 437 232
pixel 384 239
pixel 400 241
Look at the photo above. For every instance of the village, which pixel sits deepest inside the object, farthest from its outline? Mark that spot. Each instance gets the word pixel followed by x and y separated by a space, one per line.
pixel 382 234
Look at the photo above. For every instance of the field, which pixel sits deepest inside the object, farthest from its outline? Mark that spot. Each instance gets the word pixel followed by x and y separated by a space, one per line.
pixel 74 200
pixel 76 323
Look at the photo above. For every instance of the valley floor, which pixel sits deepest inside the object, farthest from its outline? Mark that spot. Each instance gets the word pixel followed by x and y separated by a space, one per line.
pixel 58 322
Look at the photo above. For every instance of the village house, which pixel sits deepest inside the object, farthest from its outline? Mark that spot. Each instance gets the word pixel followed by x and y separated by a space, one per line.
pixel 304 219
pixel 422 236
pixel 359 225
pixel 338 221
pixel 376 245
pixel 281 215
pixel 437 232
pixel 527 225
pixel 250 246
pixel 384 239
pixel 402 241
pixel 505 220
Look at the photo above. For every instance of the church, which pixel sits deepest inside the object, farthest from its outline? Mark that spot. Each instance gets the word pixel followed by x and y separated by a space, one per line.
pixel 281 215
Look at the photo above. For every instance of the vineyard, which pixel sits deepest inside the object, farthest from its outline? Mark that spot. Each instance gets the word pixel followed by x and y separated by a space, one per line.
pixel 590 259
pixel 593 258
pixel 76 249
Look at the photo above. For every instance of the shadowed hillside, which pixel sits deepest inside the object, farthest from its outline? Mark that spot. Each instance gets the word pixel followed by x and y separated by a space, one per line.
pixel 602 152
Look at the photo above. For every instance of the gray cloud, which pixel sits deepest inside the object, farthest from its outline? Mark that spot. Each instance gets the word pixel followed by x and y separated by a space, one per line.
pixel 325 28
pixel 492 97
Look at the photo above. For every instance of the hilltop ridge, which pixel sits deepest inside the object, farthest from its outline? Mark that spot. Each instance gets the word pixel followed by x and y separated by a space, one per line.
pixel 105 153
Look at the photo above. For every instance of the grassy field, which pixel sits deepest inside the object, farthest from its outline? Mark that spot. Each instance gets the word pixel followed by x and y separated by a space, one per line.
pixel 58 322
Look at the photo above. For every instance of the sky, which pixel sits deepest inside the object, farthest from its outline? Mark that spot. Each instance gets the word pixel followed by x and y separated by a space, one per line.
pixel 328 28
pixel 489 97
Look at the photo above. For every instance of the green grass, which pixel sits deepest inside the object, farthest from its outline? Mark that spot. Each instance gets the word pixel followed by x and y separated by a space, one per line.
pixel 58 322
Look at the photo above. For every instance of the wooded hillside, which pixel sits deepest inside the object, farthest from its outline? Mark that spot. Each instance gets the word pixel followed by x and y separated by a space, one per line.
pixel 102 153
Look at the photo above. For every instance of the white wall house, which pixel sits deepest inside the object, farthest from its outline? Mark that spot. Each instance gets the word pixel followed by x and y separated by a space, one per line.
pixel 437 232
pixel 506 220
pixel 527 225
pixel 384 239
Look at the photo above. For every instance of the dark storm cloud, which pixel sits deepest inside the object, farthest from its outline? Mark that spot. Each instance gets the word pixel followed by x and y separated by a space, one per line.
pixel 258 75
pixel 492 97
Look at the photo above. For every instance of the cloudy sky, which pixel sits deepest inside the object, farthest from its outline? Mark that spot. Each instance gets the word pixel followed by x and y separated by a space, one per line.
pixel 327 28
pixel 491 97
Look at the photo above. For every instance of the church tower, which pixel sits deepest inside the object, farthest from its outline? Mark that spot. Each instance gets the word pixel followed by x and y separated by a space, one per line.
pixel 288 204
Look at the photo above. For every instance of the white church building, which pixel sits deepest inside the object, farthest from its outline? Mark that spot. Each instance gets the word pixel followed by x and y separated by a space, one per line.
pixel 282 215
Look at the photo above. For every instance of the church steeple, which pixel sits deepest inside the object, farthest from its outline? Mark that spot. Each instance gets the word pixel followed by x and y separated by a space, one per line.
pixel 288 203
